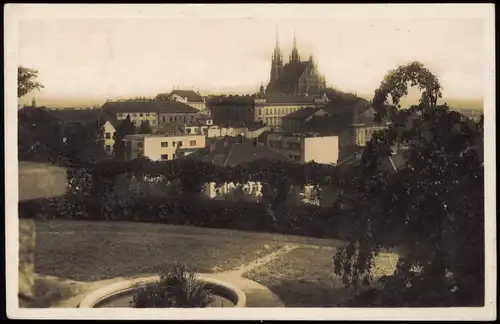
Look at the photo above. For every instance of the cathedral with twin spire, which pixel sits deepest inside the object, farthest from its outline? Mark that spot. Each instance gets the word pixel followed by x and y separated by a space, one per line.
pixel 295 77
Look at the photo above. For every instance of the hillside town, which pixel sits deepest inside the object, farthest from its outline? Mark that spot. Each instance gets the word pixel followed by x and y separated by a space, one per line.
pixel 295 195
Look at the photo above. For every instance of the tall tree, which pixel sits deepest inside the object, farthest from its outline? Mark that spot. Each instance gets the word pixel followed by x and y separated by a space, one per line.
pixel 145 128
pixel 26 81
pixel 126 127
pixel 432 208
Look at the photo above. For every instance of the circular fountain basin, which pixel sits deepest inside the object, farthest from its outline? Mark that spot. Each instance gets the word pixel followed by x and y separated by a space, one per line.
pixel 121 294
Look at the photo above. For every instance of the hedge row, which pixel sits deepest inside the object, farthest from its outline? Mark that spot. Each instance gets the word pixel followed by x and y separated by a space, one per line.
pixel 303 220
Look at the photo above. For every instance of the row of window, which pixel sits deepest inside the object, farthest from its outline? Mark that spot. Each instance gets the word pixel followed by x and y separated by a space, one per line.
pixel 283 111
pixel 124 115
pixel 294 157
pixel 138 122
pixel 177 143
pixel 153 121
pixel 273 121
pixel 177 118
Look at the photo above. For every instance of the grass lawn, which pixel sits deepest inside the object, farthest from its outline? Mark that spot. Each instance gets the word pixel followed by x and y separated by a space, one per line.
pixel 91 251
pixel 304 277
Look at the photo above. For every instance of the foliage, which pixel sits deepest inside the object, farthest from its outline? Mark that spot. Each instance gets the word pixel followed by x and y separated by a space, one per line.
pixel 26 81
pixel 238 194
pixel 395 87
pixel 84 143
pixel 145 128
pixel 337 97
pixel 432 207
pixel 39 137
pixel 177 287
pixel 126 127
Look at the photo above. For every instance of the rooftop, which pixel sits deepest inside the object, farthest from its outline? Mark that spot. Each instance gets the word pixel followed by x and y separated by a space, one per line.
pixel 298 135
pixel 143 136
pixel 292 99
pixel 235 151
pixel 190 95
pixel 148 105
pixel 84 115
pixel 303 113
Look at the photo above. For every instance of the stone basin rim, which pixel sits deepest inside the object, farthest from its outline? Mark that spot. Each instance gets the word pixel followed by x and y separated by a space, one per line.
pixel 128 285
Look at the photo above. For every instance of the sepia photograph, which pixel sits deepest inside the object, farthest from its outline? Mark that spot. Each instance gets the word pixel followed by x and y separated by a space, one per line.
pixel 227 161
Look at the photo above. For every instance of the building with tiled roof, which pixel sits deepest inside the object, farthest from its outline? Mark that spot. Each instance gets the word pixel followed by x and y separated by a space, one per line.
pixel 296 76
pixel 156 112
pixel 231 110
pixel 188 97
pixel 77 116
pixel 271 109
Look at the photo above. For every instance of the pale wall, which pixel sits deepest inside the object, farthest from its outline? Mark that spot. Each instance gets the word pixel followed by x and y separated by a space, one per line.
pixel 108 128
pixel 321 149
pixel 137 119
pixel 154 150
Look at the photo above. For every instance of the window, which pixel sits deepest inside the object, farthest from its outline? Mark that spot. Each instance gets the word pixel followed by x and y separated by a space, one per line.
pixel 173 156
pixel 192 143
pixel 108 148
pixel 180 143
pixel 133 115
pixel 140 115
pixel 164 157
pixel 164 144
pixel 153 122
pixel 173 143
pixel 163 119
pixel 171 118
pixel 108 135
pixel 147 114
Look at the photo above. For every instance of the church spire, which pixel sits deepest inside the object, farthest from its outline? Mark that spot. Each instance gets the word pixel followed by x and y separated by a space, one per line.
pixel 277 37
pixel 294 39
pixel 294 58
pixel 277 60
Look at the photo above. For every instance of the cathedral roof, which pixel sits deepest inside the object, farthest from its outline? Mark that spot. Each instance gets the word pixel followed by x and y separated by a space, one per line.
pixel 289 76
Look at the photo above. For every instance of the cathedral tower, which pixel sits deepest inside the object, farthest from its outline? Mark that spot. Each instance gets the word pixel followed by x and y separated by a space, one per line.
pixel 294 57
pixel 277 61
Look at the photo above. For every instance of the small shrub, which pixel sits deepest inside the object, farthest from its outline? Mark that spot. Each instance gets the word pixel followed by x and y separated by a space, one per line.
pixel 177 287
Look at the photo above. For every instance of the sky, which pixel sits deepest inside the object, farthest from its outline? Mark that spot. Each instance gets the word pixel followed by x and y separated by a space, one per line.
pixel 111 57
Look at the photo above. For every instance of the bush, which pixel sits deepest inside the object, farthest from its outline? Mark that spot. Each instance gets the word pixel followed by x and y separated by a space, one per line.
pixel 177 287
pixel 240 215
